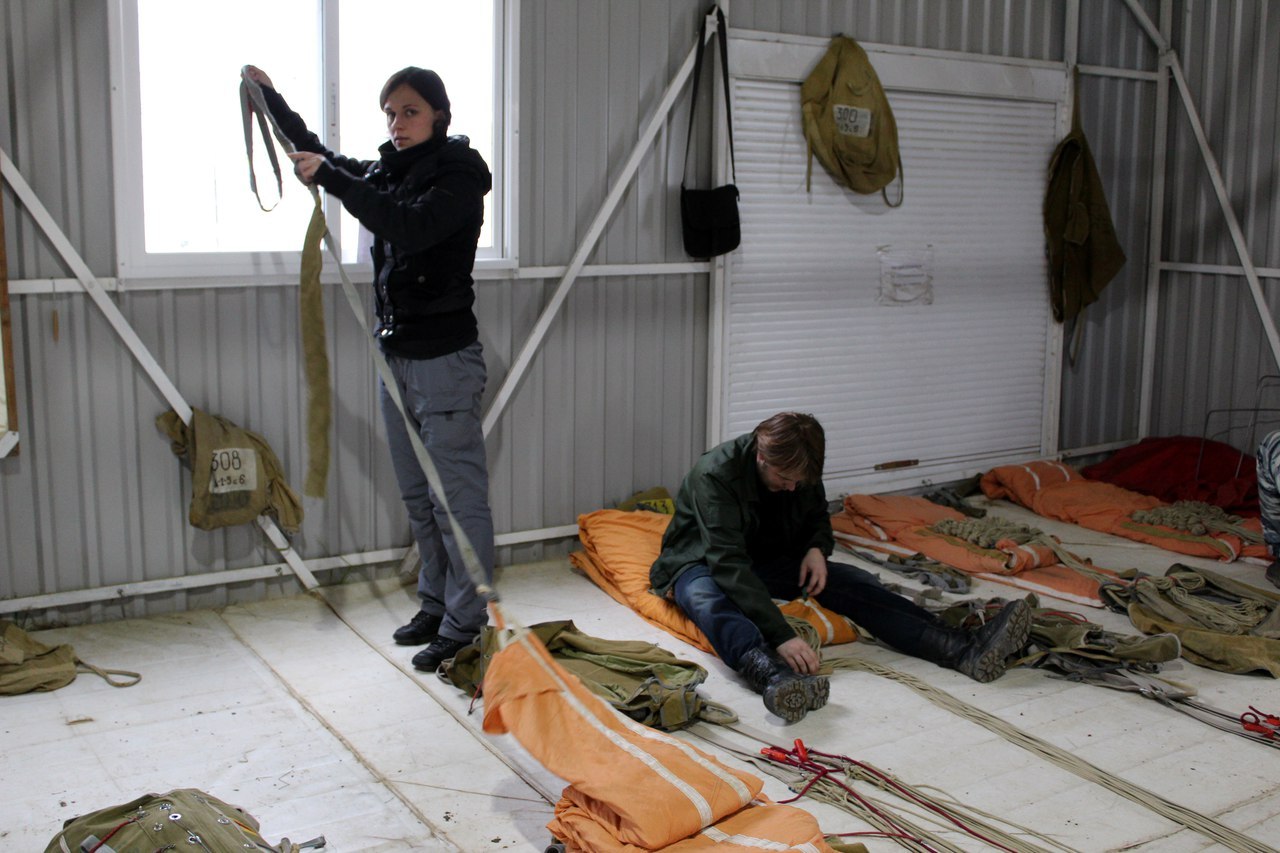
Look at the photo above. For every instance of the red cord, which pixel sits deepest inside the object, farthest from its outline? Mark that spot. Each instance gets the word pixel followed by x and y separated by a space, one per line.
pixel 895 786
pixel 1269 719
pixel 111 833
pixel 782 756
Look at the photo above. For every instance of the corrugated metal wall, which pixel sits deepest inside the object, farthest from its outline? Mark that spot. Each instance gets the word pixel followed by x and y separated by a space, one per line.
pixel 1100 386
pixel 617 399
pixel 1212 349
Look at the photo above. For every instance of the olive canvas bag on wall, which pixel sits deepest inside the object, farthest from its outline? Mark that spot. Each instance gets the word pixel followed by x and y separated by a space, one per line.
pixel 848 123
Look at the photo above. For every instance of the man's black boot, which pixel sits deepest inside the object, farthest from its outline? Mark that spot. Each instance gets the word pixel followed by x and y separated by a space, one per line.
pixel 983 654
pixel 994 643
pixel 786 692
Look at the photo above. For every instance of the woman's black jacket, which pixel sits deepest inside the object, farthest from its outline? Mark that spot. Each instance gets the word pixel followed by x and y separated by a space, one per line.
pixel 424 206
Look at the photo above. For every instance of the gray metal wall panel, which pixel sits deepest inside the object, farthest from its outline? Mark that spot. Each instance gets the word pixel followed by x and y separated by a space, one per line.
pixel 1100 388
pixel 55 126
pixel 616 401
pixel 1028 29
pixel 1213 349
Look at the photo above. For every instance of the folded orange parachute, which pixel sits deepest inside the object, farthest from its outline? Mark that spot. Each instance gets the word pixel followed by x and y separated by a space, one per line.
pixel 1058 491
pixel 902 524
pixel 618 549
pixel 630 787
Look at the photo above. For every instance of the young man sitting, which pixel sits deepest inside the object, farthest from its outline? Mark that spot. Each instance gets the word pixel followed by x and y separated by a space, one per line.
pixel 751 525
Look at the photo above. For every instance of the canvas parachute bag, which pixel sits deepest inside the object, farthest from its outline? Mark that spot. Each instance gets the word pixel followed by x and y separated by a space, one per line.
pixel 641 680
pixel 709 218
pixel 28 665
pixel 630 787
pixel 182 819
pixel 848 123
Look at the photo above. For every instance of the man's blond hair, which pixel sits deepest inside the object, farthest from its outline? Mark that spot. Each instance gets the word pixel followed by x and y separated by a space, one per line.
pixel 793 443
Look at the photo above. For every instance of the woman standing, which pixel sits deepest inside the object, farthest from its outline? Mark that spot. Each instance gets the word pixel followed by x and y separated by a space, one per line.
pixel 423 201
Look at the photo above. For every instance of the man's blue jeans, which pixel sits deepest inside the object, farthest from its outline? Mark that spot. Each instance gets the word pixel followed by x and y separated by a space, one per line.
pixel 850 591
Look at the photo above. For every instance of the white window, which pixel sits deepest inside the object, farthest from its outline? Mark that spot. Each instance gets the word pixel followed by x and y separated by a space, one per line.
pixel 184 205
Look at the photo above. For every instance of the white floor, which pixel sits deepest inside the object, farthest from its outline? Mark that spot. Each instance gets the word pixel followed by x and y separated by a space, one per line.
pixel 304 712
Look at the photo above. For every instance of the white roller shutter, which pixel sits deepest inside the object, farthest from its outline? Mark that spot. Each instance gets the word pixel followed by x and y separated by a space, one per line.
pixel 908 393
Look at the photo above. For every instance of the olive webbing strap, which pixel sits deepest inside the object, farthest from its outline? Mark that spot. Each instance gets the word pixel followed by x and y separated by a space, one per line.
pixel 249 105
pixel 470 559
pixel 315 356
pixel 1203 824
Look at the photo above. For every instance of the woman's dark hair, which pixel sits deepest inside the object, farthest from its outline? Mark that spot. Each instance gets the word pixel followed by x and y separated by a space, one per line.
pixel 426 83
pixel 793 443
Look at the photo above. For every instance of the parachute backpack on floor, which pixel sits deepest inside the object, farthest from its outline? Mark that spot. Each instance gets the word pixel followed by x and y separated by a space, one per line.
pixel 848 123
pixel 183 819
pixel 641 680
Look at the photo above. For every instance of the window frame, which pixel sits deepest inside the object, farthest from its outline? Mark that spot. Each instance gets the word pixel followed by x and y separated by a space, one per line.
pixel 262 267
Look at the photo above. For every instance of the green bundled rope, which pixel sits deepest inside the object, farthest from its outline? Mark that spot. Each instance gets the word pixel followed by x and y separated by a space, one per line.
pixel 988 532
pixel 1210 611
pixel 1197 518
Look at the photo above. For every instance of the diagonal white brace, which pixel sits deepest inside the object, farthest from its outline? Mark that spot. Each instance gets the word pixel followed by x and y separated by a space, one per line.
pixel 1215 176
pixel 131 340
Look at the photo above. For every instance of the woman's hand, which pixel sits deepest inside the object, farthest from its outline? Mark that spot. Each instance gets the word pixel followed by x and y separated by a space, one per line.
pixel 305 165
pixel 258 76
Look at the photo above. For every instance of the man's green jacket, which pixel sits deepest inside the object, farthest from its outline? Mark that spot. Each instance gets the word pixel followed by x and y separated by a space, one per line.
pixel 718 522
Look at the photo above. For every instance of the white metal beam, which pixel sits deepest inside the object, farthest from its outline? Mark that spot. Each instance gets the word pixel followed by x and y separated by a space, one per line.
pixel 1155 237
pixel 1228 212
pixel 130 337
pixel 117 592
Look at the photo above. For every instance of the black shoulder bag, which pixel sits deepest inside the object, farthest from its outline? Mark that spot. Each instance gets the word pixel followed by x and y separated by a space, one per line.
pixel 710 217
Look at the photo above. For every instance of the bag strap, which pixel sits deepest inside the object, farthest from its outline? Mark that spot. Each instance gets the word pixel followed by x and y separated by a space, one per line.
pixel 722 30
pixel 128 678
pixel 249 107
pixel 884 191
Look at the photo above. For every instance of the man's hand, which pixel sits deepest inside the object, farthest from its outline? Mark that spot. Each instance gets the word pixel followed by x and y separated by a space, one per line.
pixel 813 572
pixel 799 656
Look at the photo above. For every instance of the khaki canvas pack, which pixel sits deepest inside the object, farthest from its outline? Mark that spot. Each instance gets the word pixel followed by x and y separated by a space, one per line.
pixel 182 819
pixel 848 122
pixel 641 680
pixel 235 475
pixel 1222 623
pixel 28 665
